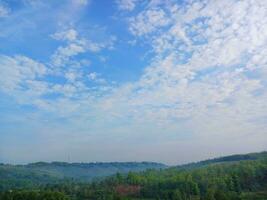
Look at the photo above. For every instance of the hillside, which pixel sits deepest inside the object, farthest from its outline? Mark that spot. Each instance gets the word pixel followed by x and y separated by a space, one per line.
pixel 235 177
pixel 42 173
pixel 88 171
pixel 225 159
pixel 35 174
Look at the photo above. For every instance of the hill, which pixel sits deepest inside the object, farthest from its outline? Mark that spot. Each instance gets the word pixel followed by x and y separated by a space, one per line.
pixel 224 159
pixel 41 173
pixel 89 171
pixel 235 177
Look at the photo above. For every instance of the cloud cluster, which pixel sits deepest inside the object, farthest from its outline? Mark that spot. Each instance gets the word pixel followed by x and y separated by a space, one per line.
pixel 19 73
pixel 29 81
pixel 205 73
pixel 206 81
pixel 76 45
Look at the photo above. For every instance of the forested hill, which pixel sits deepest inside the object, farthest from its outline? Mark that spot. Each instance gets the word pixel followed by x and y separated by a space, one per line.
pixel 236 177
pixel 225 159
pixel 34 174
pixel 88 171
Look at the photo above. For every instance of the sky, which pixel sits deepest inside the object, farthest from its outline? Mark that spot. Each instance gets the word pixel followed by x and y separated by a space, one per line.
pixel 169 81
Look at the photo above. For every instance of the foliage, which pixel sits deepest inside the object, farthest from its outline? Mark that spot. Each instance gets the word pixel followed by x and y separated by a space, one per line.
pixel 33 195
pixel 41 173
pixel 239 180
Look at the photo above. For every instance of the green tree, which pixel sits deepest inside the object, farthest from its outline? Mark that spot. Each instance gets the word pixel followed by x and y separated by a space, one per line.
pixel 210 195
pixel 177 195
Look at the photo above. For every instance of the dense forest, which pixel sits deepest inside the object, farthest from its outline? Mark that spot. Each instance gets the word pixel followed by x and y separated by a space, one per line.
pixel 241 177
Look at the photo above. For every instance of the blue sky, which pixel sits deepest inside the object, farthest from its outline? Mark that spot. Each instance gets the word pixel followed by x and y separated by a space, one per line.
pixel 132 80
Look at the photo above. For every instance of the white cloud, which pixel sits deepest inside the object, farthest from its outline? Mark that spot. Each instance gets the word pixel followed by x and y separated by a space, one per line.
pixel 25 80
pixel 200 66
pixel 28 81
pixel 77 45
pixel 148 21
pixel 72 75
pixel 4 11
pixel 207 78
pixel 21 78
pixel 96 77
pixel 81 2
pixel 200 76
pixel 33 2
pixel 128 5
pixel 15 71
pixel 69 35
pixel 93 76
pixel 63 54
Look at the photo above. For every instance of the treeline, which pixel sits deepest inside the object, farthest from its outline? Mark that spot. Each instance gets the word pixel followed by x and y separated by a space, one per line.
pixel 232 158
pixel 41 173
pixel 33 195
pixel 244 180
pixel 20 178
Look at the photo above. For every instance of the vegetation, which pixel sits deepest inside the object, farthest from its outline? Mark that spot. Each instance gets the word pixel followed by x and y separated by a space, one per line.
pixel 33 195
pixel 36 174
pixel 229 179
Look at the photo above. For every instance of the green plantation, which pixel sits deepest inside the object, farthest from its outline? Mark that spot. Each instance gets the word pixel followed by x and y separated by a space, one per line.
pixel 229 178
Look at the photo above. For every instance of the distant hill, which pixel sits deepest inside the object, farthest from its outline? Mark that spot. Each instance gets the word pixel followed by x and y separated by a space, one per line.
pixel 88 171
pixel 241 177
pixel 225 159
pixel 20 177
pixel 40 173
